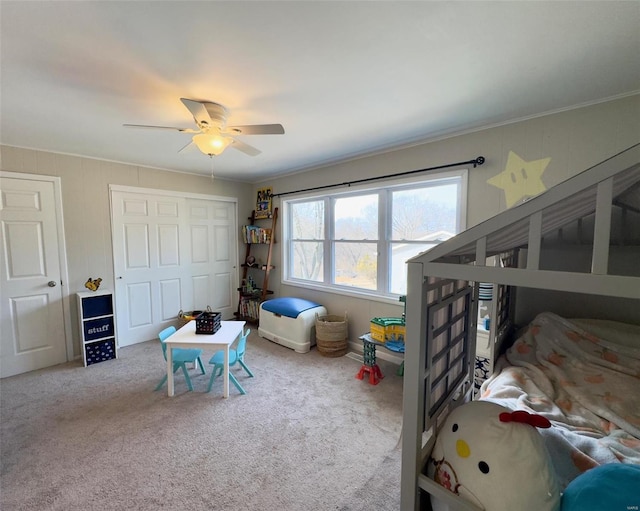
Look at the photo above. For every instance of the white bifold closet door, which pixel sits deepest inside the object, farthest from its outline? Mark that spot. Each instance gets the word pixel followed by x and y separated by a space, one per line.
pixel 170 253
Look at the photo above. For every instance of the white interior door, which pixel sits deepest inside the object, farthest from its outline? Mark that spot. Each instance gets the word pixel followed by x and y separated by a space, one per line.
pixel 212 228
pixel 148 269
pixel 169 256
pixel 32 312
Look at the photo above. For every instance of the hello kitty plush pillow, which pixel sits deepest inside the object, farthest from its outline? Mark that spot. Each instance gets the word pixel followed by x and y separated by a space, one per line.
pixel 495 459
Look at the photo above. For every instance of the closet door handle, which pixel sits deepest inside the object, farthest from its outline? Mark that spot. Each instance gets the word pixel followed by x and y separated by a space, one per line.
pixel 52 283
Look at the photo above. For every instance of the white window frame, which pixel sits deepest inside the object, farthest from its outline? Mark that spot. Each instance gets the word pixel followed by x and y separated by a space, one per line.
pixel 384 224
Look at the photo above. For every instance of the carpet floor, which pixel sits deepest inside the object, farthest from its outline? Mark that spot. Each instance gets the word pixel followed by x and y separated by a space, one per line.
pixel 307 435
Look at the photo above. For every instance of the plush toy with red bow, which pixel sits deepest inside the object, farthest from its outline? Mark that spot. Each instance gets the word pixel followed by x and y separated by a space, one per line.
pixel 495 459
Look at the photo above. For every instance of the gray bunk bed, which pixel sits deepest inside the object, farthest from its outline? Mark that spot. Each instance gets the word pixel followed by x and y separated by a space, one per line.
pixel 573 250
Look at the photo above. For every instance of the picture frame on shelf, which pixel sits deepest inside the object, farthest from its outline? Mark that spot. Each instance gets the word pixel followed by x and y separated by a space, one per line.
pixel 263 203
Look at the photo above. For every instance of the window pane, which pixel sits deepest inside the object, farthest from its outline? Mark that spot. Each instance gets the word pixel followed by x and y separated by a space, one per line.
pixel 367 235
pixel 356 265
pixel 425 214
pixel 400 253
pixel 356 218
pixel 307 220
pixel 307 261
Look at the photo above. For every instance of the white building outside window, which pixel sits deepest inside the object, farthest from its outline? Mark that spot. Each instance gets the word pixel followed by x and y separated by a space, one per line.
pixel 358 241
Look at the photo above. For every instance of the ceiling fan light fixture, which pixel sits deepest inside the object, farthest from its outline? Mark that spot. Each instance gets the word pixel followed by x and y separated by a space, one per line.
pixel 211 144
pixel 213 135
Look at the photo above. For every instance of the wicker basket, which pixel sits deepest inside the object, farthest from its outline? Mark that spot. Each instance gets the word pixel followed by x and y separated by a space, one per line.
pixel 185 317
pixel 332 335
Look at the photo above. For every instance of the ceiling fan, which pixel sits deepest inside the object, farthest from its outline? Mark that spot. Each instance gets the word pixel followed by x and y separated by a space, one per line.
pixel 213 135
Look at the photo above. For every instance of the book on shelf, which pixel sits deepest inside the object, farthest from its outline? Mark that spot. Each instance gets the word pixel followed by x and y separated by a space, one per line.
pixel 255 234
pixel 250 308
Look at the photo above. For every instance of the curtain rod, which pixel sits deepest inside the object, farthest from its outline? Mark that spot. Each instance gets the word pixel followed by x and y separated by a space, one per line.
pixel 478 161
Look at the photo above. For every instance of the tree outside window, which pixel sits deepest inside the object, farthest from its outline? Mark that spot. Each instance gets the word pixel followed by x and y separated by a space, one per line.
pixel 362 240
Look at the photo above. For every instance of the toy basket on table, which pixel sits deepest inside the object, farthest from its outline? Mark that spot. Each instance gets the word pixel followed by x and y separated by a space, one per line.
pixel 208 322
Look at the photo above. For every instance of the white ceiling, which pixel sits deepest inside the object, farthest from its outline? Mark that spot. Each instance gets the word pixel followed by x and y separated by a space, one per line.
pixel 343 78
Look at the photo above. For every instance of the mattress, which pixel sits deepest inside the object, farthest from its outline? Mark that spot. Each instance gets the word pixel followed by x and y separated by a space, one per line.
pixel 583 378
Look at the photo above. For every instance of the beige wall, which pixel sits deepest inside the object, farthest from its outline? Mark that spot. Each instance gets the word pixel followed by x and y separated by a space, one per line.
pixel 87 218
pixel 574 140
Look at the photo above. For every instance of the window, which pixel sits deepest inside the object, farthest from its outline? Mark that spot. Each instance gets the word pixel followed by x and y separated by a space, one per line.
pixel 359 241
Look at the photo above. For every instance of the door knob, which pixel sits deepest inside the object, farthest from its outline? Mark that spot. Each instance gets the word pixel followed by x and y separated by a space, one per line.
pixel 52 283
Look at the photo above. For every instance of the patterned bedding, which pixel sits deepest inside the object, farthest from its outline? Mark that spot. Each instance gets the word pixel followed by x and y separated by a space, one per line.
pixel 584 376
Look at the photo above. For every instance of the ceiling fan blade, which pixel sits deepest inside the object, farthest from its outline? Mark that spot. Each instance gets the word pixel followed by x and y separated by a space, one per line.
pixel 245 148
pixel 183 130
pixel 217 113
pixel 198 111
pixel 256 129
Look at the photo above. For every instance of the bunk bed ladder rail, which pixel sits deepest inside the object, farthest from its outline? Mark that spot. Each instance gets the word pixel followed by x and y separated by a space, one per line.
pixel 448 345
pixel 449 362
